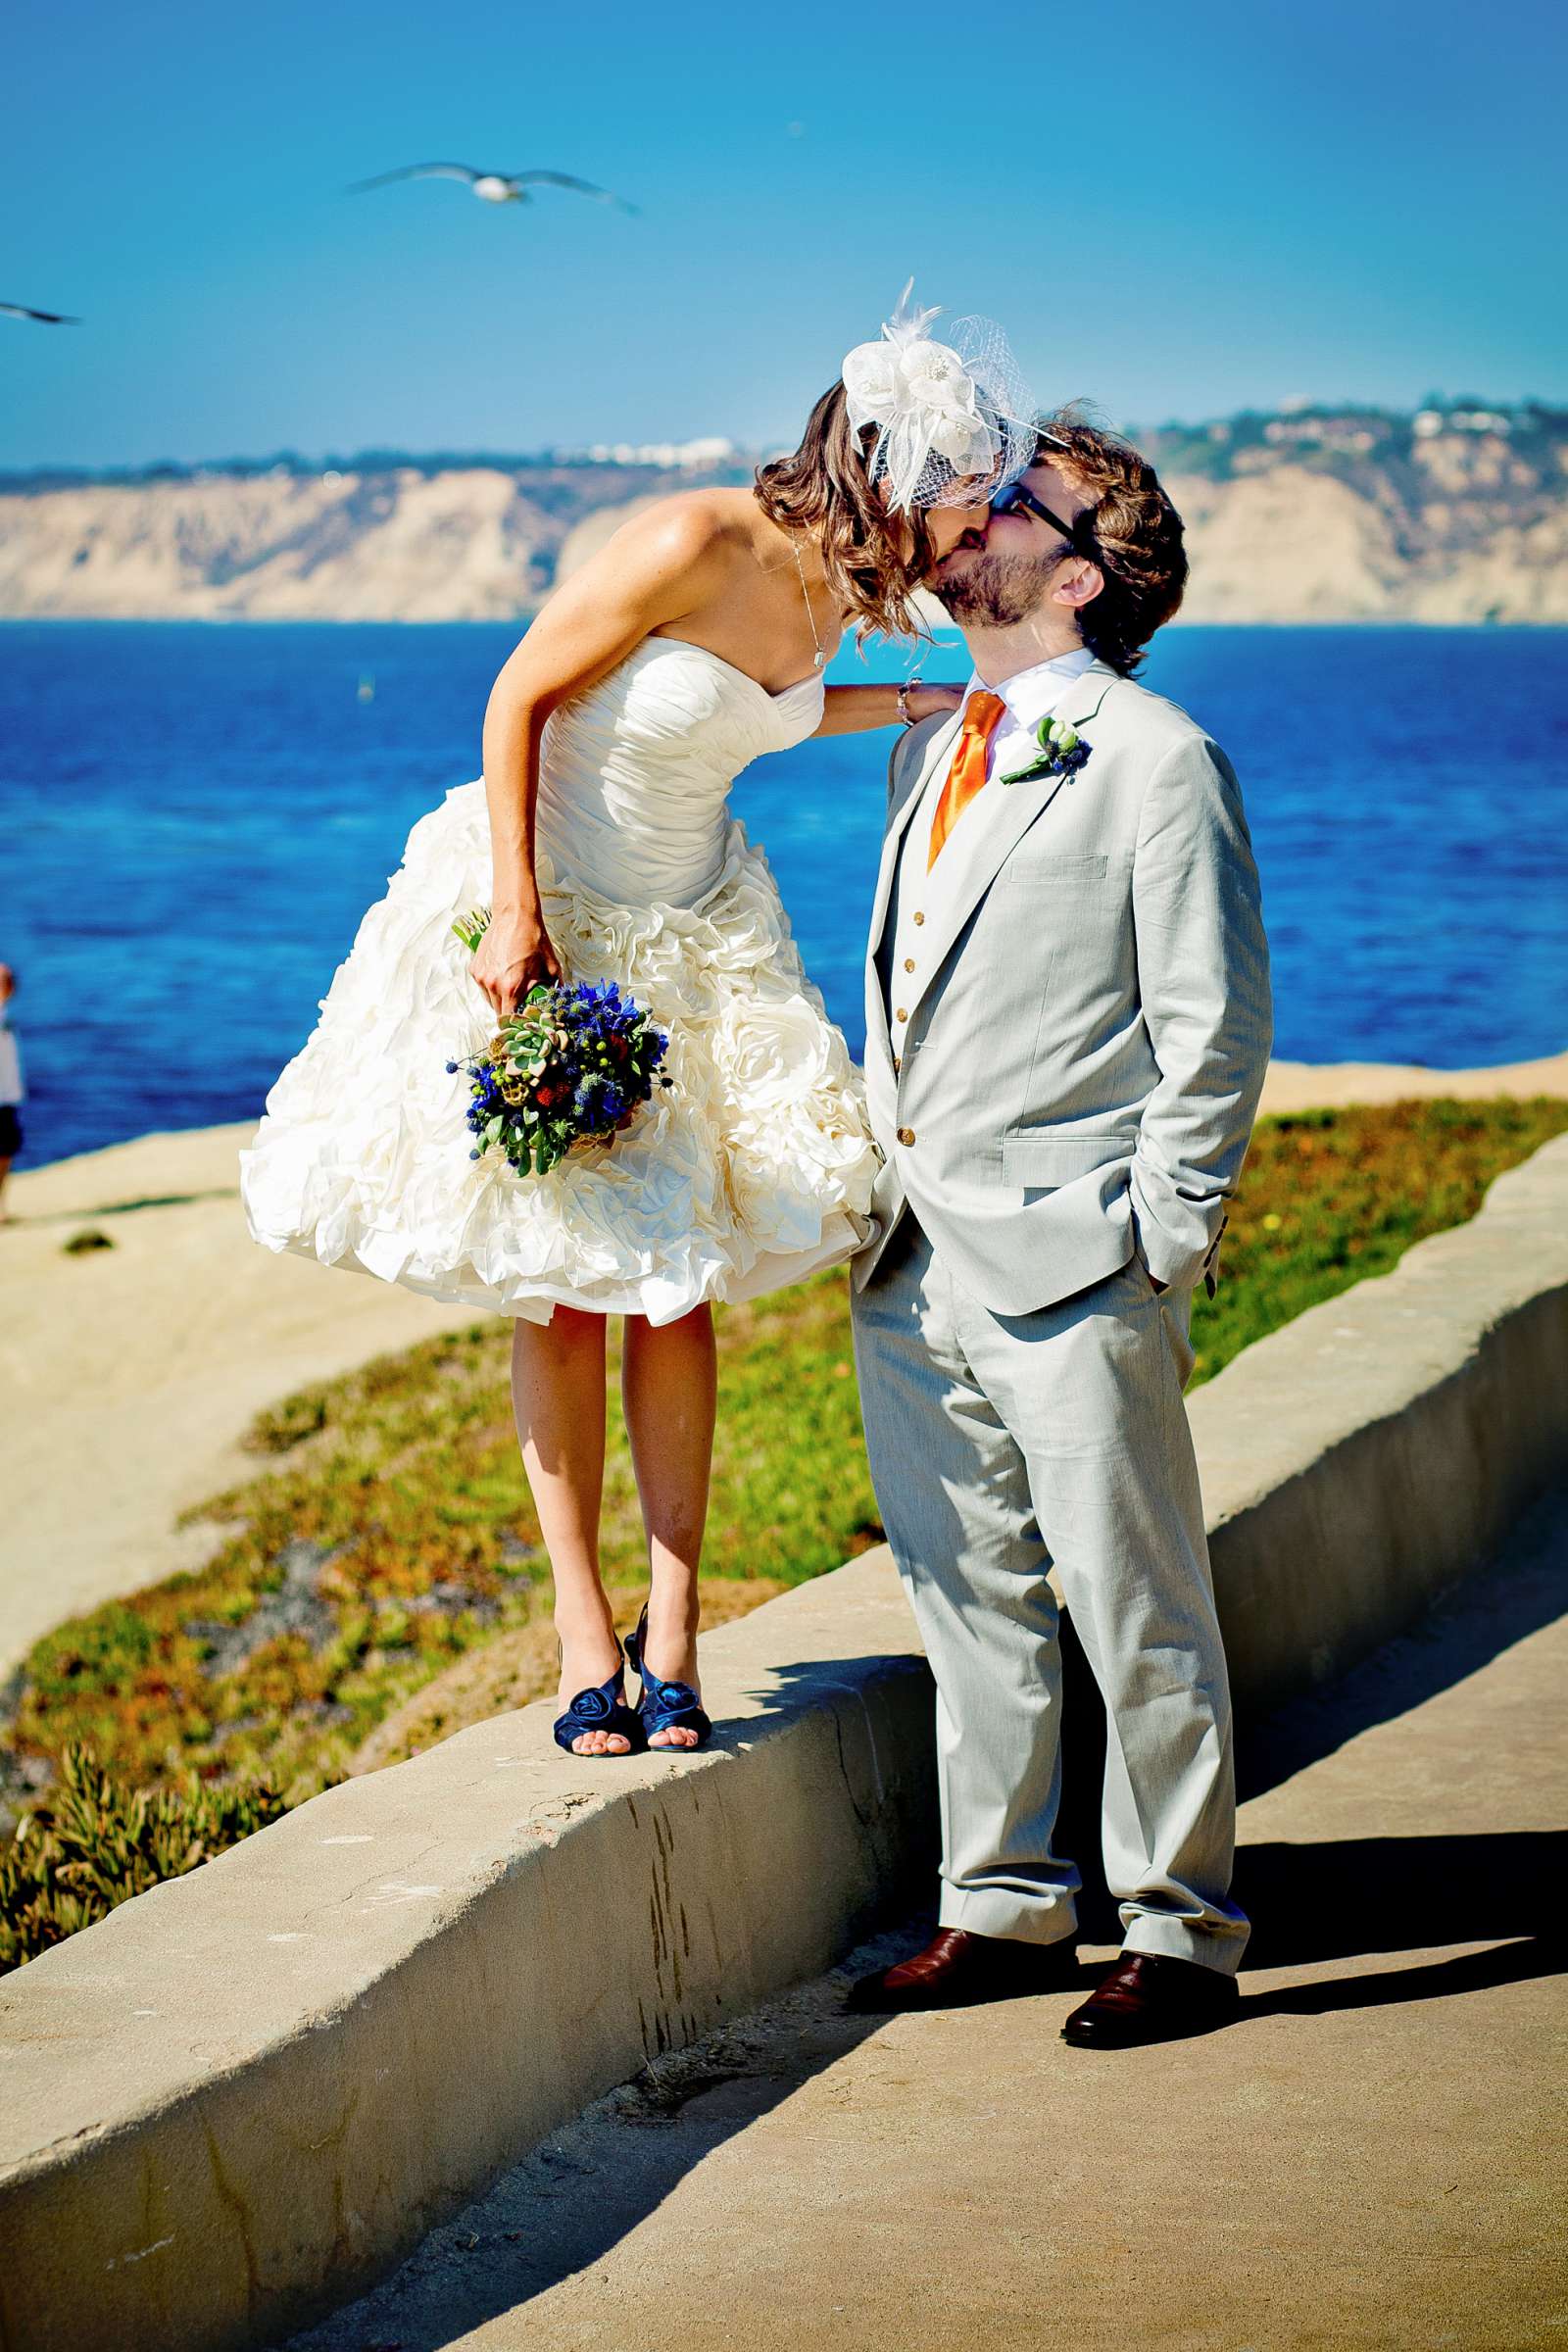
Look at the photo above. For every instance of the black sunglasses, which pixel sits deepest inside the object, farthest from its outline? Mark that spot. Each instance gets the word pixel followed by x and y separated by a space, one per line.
pixel 1008 499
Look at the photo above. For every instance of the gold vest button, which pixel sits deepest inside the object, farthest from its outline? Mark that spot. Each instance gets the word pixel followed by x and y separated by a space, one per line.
pixel 906 1135
pixel 901 1015
pixel 919 919
pixel 897 1065
pixel 908 964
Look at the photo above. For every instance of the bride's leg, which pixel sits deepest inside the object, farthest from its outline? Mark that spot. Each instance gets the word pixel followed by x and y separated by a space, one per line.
pixel 558 1399
pixel 669 1388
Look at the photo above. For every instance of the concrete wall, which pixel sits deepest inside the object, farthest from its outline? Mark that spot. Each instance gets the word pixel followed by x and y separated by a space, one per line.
pixel 228 2105
pixel 1368 1453
pixel 239 2098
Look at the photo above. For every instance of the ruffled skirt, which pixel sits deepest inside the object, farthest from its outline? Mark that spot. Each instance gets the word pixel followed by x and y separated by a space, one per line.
pixel 753 1168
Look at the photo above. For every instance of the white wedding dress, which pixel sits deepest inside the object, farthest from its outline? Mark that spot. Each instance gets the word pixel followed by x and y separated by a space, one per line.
pixel 754 1167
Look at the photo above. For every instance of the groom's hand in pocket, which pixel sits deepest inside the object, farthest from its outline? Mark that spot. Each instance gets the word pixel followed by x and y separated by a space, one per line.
pixel 1154 1283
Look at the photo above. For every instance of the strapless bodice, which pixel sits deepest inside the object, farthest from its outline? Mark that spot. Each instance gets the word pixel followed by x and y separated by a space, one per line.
pixel 634 774
pixel 751 1169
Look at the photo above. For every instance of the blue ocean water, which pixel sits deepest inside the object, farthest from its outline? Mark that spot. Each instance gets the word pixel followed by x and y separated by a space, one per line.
pixel 193 817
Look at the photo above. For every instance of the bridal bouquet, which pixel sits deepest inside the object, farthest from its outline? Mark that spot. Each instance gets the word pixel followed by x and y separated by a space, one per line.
pixel 572 1066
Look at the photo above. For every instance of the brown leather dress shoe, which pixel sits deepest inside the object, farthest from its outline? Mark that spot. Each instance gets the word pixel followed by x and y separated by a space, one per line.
pixel 1148 1996
pixel 957 1968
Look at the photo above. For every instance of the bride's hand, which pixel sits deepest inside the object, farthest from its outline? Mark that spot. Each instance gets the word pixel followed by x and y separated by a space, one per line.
pixel 926 701
pixel 514 955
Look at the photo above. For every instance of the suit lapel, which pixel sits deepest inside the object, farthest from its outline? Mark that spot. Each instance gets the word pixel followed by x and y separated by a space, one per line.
pixel 1017 807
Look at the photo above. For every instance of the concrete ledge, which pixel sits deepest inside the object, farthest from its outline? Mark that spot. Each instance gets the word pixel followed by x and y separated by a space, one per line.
pixel 238 2100
pixel 1369 1454
pixel 232 2103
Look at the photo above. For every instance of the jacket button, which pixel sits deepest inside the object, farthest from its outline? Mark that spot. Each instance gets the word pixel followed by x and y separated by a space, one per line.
pixel 919 919
pixel 908 964
pixel 906 1135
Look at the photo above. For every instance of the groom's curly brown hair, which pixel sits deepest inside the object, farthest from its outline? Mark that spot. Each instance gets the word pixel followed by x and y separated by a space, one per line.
pixel 1132 532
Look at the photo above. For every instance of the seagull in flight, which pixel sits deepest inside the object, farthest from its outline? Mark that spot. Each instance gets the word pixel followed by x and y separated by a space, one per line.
pixel 20 310
pixel 496 187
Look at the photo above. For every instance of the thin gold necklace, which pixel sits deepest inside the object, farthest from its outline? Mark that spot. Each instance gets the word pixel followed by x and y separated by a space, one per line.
pixel 795 551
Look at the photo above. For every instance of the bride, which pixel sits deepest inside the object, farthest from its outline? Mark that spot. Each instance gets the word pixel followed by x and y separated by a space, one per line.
pixel 599 836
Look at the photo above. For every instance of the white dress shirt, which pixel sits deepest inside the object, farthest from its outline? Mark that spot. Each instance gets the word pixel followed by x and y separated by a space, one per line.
pixel 923 896
pixel 9 1063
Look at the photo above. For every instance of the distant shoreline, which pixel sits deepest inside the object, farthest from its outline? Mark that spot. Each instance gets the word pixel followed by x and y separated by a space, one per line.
pixel 186 1162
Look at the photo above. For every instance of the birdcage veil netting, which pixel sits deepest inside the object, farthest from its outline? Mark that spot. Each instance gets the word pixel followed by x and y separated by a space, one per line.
pixel 953 417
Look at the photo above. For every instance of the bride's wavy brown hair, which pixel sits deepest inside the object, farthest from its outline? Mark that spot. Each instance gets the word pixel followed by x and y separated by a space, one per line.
pixel 875 561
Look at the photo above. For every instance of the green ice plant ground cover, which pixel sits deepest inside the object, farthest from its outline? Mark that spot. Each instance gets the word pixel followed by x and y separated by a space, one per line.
pixel 389 1532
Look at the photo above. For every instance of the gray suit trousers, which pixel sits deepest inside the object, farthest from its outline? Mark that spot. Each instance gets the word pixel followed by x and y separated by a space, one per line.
pixel 999 1446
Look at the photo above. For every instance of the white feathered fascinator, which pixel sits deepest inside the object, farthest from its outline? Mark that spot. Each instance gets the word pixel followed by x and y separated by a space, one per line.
pixel 954 420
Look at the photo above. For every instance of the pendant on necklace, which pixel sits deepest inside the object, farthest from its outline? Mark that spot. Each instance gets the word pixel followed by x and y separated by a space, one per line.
pixel 820 659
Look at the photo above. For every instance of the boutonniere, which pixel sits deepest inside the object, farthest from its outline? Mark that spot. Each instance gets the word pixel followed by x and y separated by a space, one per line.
pixel 1062 753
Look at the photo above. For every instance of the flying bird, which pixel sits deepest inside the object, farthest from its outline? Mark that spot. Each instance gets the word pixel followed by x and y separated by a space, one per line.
pixel 495 187
pixel 20 310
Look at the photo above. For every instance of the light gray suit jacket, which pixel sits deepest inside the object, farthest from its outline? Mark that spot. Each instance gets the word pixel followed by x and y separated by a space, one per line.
pixel 1092 1022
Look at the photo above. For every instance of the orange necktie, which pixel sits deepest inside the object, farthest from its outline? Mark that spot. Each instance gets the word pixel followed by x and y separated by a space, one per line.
pixel 967 773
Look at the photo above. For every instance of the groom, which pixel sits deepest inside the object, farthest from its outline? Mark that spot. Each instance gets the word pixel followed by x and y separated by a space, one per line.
pixel 1068 1021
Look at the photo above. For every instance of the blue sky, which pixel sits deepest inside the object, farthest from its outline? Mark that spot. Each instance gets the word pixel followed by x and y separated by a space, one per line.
pixel 1174 211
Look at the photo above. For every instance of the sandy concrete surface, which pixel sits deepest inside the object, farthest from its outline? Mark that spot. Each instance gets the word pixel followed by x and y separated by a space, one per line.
pixel 130 1374
pixel 1320 1085
pixel 1372 2156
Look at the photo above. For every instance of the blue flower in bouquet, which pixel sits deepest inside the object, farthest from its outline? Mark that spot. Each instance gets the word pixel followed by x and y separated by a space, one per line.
pixel 572 1066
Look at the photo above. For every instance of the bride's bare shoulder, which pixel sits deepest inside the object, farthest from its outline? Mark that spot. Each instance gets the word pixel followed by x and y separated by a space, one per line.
pixel 687 526
pixel 685 542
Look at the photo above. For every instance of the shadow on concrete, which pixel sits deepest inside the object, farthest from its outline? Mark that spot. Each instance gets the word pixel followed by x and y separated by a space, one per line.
pixel 1335 1900
pixel 563 2207
pixel 1432 1980
pixel 1345 1898
pixel 1501 1603
pixel 598 2178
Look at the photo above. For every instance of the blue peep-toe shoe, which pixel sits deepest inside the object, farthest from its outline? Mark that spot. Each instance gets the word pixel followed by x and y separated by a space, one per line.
pixel 665 1706
pixel 603 1710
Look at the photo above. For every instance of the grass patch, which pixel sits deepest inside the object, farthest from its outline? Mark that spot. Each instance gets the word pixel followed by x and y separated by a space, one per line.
pixel 97 1844
pixel 391 1531
pixel 1330 1198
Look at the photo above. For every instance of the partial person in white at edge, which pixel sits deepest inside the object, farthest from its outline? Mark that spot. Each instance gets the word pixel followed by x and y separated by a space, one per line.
pixel 11 1087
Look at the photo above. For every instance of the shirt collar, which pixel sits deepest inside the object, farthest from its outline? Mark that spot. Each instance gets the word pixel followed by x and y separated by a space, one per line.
pixel 1033 692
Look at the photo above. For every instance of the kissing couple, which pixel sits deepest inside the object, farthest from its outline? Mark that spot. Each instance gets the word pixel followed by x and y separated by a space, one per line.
pixel 1068 1022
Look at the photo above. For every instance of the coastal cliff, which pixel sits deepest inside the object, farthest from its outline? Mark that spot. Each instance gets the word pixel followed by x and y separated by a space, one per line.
pixel 1449 516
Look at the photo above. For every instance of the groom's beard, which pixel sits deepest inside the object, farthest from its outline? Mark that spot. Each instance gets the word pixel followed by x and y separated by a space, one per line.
pixel 997 589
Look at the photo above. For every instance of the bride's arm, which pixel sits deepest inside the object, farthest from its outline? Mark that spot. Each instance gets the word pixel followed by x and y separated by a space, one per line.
pixel 655 569
pixel 851 710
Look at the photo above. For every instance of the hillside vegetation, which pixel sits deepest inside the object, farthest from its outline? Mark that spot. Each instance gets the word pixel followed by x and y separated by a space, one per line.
pixel 390 1528
pixel 1456 514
